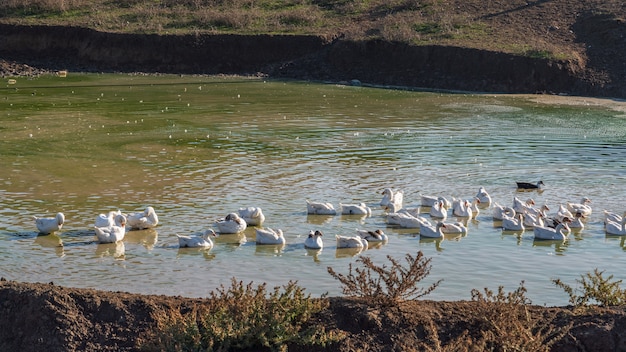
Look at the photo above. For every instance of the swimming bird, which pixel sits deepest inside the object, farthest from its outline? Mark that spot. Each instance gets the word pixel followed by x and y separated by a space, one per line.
pixel 520 206
pixel 113 233
pixel 197 240
pixel 320 208
pixel 431 231
pixel 563 213
pixel 49 225
pixel 405 220
pixel 483 197
pixel 532 220
pixel 465 208
pixel 104 220
pixel 439 210
pixel 392 200
pixel 373 236
pixel 578 222
pixel 145 220
pixel 547 233
pixel 314 241
pixel 269 236
pixel 609 216
pixel 351 242
pixel 253 216
pixel 499 211
pixel 429 201
pixel 583 207
pixel 528 185
pixel 454 228
pixel 515 223
pixel 355 209
pixel 232 223
pixel 616 228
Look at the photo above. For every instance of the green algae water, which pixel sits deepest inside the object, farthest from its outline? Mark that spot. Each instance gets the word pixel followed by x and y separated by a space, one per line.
pixel 198 148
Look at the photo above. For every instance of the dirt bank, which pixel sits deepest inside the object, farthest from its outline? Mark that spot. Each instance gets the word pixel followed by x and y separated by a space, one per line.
pixel 33 49
pixel 45 317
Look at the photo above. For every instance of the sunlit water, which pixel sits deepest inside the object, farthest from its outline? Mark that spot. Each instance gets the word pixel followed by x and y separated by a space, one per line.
pixel 197 148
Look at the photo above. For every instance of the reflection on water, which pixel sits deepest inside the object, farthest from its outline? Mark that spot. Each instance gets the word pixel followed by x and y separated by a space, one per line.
pixel 93 143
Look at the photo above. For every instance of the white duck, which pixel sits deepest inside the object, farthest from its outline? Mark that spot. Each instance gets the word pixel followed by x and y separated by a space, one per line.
pixel 431 231
pixel 520 206
pixel 515 223
pixel 314 241
pixel 232 223
pixel 253 216
pixel 269 236
pixel 439 210
pixel 583 207
pixel 406 220
pixel 563 213
pixel 147 219
pixel 609 216
pixel 499 211
pixel 429 201
pixel 104 220
pixel 483 197
pixel 578 222
pixel 197 240
pixel 49 225
pixel 113 233
pixel 616 228
pixel 531 220
pixel 454 228
pixel 555 234
pixel 465 208
pixel 355 209
pixel 373 236
pixel 320 208
pixel 411 211
pixel 392 201
pixel 351 242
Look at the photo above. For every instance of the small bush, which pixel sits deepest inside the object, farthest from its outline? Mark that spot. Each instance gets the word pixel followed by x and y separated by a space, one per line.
pixel 387 286
pixel 595 288
pixel 506 324
pixel 243 317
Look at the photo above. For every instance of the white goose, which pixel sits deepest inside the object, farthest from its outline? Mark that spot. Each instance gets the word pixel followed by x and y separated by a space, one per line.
pixel 578 222
pixel 197 240
pixel 355 209
pixel 583 207
pixel 454 228
pixel 351 242
pixel 314 241
pixel 269 236
pixel 49 225
pixel 531 220
pixel 373 236
pixel 515 223
pixel 616 228
pixel 320 208
pixel 439 210
pixel 465 208
pixel 432 231
pixel 416 211
pixel 232 223
pixel 429 201
pixel 563 213
pixel 499 211
pixel 253 216
pixel 104 220
pixel 483 197
pixel 392 201
pixel 609 216
pixel 555 234
pixel 113 233
pixel 406 220
pixel 145 220
pixel 520 206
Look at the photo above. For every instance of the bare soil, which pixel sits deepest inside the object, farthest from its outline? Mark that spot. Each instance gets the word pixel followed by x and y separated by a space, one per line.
pixel 45 317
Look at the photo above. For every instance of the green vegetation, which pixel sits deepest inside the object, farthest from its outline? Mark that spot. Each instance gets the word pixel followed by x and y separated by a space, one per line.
pixel 595 289
pixel 387 286
pixel 243 316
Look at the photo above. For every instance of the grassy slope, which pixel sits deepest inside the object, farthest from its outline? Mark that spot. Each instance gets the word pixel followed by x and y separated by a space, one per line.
pixel 540 28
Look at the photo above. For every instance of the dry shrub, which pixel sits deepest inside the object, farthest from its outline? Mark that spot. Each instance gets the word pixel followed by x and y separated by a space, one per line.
pixel 387 285
pixel 506 324
pixel 595 289
pixel 244 317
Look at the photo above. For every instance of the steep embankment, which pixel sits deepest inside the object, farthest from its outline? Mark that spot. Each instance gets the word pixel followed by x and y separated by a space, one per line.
pixel 375 62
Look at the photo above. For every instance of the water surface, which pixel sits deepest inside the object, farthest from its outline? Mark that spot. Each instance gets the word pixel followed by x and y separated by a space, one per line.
pixel 197 148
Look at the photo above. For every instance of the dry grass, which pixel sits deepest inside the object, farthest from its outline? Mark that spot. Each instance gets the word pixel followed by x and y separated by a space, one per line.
pixel 595 289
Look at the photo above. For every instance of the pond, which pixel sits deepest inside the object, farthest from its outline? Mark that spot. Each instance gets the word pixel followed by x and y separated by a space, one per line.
pixel 197 148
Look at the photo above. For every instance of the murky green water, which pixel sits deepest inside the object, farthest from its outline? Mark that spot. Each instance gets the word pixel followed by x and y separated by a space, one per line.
pixel 197 148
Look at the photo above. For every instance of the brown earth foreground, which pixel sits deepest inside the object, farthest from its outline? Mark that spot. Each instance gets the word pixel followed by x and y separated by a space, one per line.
pixel 45 317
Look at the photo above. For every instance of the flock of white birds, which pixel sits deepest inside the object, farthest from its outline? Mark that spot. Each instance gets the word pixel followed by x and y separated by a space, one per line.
pixel 519 216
